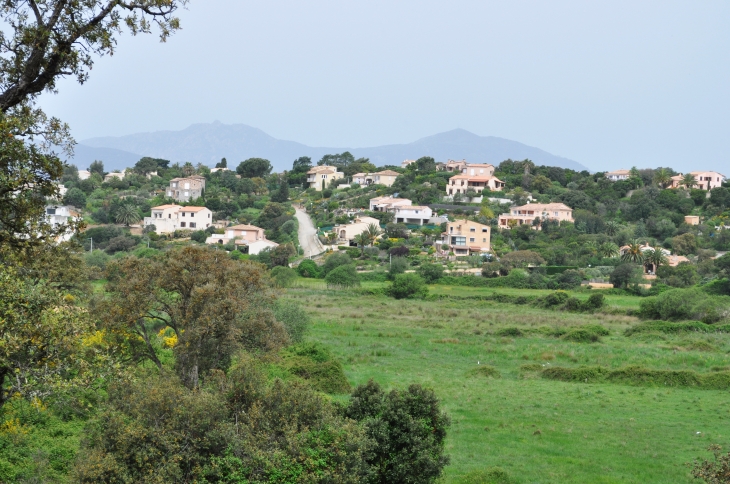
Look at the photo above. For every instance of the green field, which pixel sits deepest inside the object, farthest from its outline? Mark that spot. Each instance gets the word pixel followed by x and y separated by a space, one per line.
pixel 538 430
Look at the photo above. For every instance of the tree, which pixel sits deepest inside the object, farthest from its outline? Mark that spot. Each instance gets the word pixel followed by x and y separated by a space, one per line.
pixel 222 164
pixel 308 268
pixel 254 168
pixel 623 275
pixel 541 183
pixel 608 250
pixel 340 160
pixel 281 253
pixel 302 164
pixel 633 253
pixel 343 277
pixel 214 305
pixel 145 165
pixel 522 258
pixel 334 260
pixel 425 163
pixel 188 169
pixel 281 195
pixel 662 177
pixel 362 239
pixel 127 214
pixel 685 244
pixel 688 180
pixel 656 258
pixel 75 197
pixel 373 231
pixel 97 167
pixel 409 430
pixel 407 286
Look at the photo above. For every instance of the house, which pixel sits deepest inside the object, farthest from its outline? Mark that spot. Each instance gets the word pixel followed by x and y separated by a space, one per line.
pixel 115 174
pixel 213 170
pixel 672 260
pixel 187 188
pixel 413 214
pixel 692 219
pixel 387 204
pixel 169 218
pixel 84 174
pixel 460 184
pixel 618 175
pixel 320 177
pixel 386 177
pixel 464 237
pixel 478 169
pixel 347 232
pixel 57 215
pixel 405 163
pixel 704 180
pixel 248 239
pixel 452 165
pixel 526 214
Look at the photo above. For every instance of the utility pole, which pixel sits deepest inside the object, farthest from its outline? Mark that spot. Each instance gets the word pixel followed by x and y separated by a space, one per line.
pixel 92 244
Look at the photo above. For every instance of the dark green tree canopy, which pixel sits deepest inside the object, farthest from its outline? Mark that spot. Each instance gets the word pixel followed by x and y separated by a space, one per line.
pixel 254 168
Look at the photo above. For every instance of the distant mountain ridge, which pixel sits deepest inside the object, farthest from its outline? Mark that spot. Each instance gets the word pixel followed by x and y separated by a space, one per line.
pixel 207 143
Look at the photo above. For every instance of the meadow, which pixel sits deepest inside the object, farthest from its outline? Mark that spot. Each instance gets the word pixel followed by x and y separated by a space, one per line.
pixel 485 359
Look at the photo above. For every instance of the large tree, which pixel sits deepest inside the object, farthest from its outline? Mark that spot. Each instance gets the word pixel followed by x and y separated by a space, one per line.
pixel 41 42
pixel 254 168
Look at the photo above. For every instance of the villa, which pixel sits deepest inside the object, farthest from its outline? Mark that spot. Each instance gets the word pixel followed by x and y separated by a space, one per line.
pixel 169 218
pixel 704 180
pixel 320 177
pixel 526 214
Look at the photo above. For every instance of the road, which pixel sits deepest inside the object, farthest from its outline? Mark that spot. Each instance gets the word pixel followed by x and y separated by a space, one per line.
pixel 307 234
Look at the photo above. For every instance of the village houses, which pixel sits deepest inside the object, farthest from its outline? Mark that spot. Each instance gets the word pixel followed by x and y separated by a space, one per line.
pixel 320 177
pixel 386 177
pixel 248 239
pixel 704 180
pixel 527 214
pixel 169 218
pixel 387 204
pixel 348 232
pixel 464 237
pixel 186 188
pixel 57 215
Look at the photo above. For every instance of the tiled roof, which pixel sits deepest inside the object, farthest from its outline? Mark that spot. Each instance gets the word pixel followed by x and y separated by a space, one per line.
pixel 244 227
pixel 165 207
pixel 388 173
pixel 192 209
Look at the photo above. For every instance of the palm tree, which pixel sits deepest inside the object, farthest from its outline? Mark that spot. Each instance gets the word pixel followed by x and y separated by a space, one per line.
pixel 528 166
pixel 633 252
pixel 688 181
pixel 611 228
pixel 591 246
pixel 362 240
pixel 655 258
pixel 372 232
pixel 662 177
pixel 188 169
pixel 128 214
pixel 608 250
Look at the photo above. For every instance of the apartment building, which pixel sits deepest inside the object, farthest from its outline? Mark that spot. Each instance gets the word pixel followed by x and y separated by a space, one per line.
pixel 526 214
pixel 320 177
pixel 169 218
pixel 464 237
pixel 186 188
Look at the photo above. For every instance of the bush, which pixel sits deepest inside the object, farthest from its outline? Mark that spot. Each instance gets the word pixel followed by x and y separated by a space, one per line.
pixel 334 260
pixel 75 197
pixel 666 327
pixel 400 251
pixel 294 318
pixel 199 236
pixel 687 304
pixel 343 277
pixel 283 276
pixel 398 265
pixel 581 335
pixel 569 279
pixel 640 376
pixel 595 302
pixel 408 286
pixel 120 244
pixel 431 272
pixel 510 331
pixel 315 364
pixel 97 258
pixel 486 370
pixel 553 299
pixel 308 268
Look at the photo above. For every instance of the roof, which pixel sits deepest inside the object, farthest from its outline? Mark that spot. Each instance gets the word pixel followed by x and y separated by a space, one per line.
pixel 412 207
pixel 165 207
pixel 543 206
pixel 618 172
pixel 387 173
pixel 359 174
pixel 485 165
pixel 192 209
pixel 244 227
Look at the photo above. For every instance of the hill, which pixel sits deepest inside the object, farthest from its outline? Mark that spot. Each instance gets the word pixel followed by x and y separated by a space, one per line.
pixel 207 143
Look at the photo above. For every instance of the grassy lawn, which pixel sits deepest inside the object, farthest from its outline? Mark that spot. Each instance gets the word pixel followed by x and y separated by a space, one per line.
pixel 540 431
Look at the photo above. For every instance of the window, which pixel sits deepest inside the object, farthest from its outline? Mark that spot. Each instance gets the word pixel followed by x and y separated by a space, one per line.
pixel 182 224
pixel 173 185
pixel 472 229
pixel 458 240
pixel 51 211
pixel 187 194
pixel 187 186
pixel 192 225
pixel 484 229
pixel 169 215
pixel 471 239
pixel 183 214
pixel 484 240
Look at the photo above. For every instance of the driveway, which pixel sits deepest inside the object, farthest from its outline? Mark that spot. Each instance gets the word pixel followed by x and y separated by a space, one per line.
pixel 307 234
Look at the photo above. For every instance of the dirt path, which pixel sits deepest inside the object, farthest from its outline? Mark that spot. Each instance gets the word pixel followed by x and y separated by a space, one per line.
pixel 308 234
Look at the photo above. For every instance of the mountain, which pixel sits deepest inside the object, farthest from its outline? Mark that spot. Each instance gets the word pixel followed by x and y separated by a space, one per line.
pixel 208 143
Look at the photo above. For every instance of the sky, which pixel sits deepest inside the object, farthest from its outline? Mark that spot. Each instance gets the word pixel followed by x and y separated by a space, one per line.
pixel 608 84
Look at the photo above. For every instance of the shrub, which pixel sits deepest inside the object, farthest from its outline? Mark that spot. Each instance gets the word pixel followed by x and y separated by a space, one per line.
pixel 595 302
pixel 120 244
pixel 553 299
pixel 666 327
pixel 343 277
pixel 199 236
pixel 308 268
pixel 314 363
pixel 400 251
pixel 97 258
pixel 408 286
pixel 510 331
pixel 687 304
pixel 640 376
pixel 398 265
pixel 431 272
pixel 569 279
pixel 283 276
pixel 581 335
pixel 294 318
pixel 485 370
pixel 334 260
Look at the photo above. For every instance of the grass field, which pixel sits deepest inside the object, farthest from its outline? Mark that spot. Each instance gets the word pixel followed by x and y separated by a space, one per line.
pixel 539 431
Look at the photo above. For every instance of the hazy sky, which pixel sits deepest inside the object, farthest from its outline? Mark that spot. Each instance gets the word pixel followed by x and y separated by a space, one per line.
pixel 608 84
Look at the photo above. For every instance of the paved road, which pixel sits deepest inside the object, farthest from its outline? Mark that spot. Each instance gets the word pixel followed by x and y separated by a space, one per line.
pixel 307 234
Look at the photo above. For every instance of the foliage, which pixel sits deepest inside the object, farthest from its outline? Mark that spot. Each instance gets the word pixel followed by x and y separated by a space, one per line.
pixel 625 274
pixel 214 305
pixel 254 168
pixel 315 364
pixel 713 472
pixel 280 254
pixel 686 304
pixel 408 428
pixel 640 376
pixel 398 265
pixel 294 318
pixel 334 260
pixel 407 286
pixel 127 214
pixel 522 258
pixel 75 197
pixel 308 268
pixel 343 277
pixel 430 272
pixel 283 276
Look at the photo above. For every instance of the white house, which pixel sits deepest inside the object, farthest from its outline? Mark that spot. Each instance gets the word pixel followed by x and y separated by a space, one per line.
pixel 355 228
pixel 618 175
pixel 413 214
pixel 387 204
pixel 169 218
pixel 84 174
pixel 248 239
pixel 61 214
